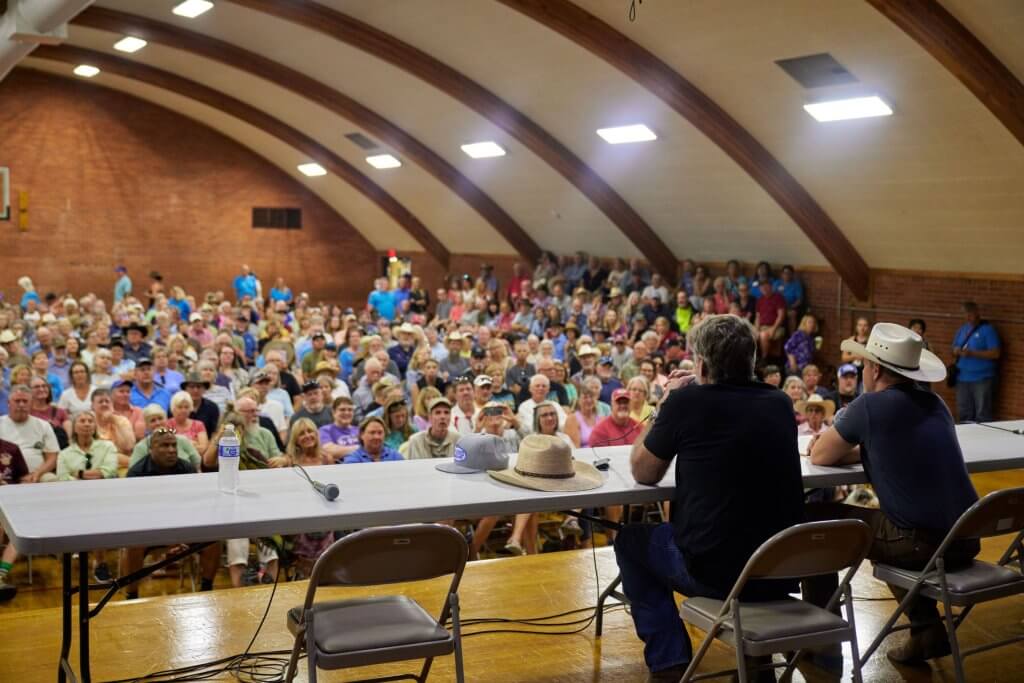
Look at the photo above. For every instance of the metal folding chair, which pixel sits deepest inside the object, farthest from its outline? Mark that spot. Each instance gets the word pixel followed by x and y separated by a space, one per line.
pixel 757 629
pixel 997 514
pixel 363 631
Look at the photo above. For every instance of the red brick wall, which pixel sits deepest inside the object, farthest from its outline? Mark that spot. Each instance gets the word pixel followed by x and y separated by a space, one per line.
pixel 114 179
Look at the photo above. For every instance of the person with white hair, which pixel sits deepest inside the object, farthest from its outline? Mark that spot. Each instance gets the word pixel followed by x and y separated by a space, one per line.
pixel 539 387
pixel 29 295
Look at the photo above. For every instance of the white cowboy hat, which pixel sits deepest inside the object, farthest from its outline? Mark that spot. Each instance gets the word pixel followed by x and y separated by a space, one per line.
pixel 545 463
pixel 901 350
pixel 816 400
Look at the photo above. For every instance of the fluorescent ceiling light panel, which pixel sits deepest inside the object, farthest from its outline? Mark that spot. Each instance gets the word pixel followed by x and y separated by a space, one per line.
pixel 482 150
pixel 312 169
pixel 130 44
pixel 618 135
pixel 383 161
pixel 85 71
pixel 854 108
pixel 192 8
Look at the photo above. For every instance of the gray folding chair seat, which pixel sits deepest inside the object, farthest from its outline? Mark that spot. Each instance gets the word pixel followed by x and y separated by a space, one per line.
pixel 997 514
pixel 978 582
pixel 758 629
pixel 768 627
pixel 339 634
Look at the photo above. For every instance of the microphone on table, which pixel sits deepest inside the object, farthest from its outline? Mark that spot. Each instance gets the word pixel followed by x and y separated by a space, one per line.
pixel 328 491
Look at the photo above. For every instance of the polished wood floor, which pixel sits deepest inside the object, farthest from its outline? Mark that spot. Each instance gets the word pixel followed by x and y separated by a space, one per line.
pixel 163 631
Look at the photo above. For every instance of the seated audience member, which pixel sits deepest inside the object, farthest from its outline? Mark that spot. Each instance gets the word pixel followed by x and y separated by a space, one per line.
pixel 163 374
pixel 183 425
pixel 792 290
pixel 438 440
pixel 363 396
pixel 78 395
pixel 303 447
pixel 113 427
pixel 517 377
pixel 817 412
pixel 619 428
pixel 904 436
pixel 539 389
pixel 794 389
pixel 738 483
pixel 976 349
pixel 465 407
pixel 799 347
pixel 341 437
pixel 144 390
pixel 811 376
pixel 371 438
pixel 847 381
pixel 162 459
pixel 44 408
pixel 588 409
pixel 87 456
pixel 103 376
pixel 771 317
pixel 313 406
pixel 41 368
pixel 326 373
pixel 746 301
pixel 277 393
pixel 204 410
pixel 455 364
pixel 771 374
pixel 639 390
pixel 33 437
pixel 218 394
pixel 13 470
pixel 269 408
pixel 399 424
pixel 421 417
pixel 632 367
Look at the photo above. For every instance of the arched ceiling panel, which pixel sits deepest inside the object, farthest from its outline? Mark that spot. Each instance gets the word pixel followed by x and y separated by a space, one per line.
pixel 551 210
pixel 999 24
pixel 700 202
pixel 449 218
pixel 378 228
pixel 938 185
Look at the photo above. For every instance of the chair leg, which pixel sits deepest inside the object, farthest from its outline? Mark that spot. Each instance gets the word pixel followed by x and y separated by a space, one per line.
pixel 741 660
pixel 948 618
pixel 886 629
pixel 854 652
pixel 310 649
pixel 709 637
pixel 457 635
pixel 293 661
pixel 422 678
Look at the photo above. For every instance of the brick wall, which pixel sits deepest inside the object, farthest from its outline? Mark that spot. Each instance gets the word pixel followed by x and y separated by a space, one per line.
pixel 114 179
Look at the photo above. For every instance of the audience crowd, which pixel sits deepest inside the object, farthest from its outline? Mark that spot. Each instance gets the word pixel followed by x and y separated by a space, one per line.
pixel 577 348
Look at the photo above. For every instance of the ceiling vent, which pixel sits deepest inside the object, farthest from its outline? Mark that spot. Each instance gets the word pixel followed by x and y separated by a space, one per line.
pixel 361 141
pixel 817 71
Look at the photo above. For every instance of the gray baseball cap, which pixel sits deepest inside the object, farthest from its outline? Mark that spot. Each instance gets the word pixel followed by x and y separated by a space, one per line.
pixel 476 453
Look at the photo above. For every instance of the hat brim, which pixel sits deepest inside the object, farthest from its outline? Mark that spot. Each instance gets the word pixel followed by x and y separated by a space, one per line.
pixel 930 368
pixel 586 478
pixel 828 406
pixel 452 468
pixel 204 385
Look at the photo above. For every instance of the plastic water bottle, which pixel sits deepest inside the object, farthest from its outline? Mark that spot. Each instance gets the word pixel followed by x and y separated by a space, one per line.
pixel 228 452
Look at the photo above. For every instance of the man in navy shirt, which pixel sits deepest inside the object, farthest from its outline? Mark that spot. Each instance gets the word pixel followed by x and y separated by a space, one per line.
pixel 976 348
pixel 904 436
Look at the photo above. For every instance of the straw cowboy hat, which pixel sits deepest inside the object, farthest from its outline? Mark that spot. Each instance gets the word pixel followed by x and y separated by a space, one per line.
pixel 816 401
pixel 545 463
pixel 901 350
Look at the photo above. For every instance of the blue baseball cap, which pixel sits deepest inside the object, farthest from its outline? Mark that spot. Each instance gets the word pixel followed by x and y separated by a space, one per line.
pixel 605 360
pixel 847 369
pixel 120 383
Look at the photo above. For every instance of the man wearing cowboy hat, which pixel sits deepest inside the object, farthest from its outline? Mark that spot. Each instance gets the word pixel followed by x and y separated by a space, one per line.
pixel 904 436
pixel 401 352
pixel 818 411
pixel 738 483
pixel 135 346
pixel 204 410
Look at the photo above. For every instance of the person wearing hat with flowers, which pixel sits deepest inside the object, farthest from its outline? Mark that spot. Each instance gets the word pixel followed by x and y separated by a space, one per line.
pixel 738 482
pixel 904 436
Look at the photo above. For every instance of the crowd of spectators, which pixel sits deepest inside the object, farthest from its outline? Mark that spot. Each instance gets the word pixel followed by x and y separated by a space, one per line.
pixel 576 348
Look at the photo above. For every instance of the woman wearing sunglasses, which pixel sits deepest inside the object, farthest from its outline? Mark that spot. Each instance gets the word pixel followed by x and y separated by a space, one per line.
pixel 87 456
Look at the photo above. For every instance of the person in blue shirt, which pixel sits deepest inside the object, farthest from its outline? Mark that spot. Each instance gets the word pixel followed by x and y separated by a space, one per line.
pixel 403 293
pixel 280 292
pixel 245 284
pixel 381 299
pixel 792 290
pixel 25 283
pixel 371 436
pixel 180 301
pixel 145 390
pixel 761 273
pixel 976 349
pixel 123 286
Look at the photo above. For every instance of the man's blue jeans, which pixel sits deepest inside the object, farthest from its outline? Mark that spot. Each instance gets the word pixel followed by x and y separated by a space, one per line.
pixel 652 569
pixel 974 400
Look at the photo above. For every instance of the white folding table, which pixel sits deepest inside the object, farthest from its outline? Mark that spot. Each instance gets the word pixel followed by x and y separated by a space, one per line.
pixel 153 511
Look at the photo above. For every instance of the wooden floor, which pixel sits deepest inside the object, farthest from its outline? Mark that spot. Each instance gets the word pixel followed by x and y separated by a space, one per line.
pixel 139 637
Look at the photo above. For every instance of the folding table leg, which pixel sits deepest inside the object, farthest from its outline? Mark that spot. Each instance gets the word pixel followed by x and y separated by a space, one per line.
pixel 64 665
pixel 84 672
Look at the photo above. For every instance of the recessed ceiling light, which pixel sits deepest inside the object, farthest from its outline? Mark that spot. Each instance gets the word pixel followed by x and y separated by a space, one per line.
pixel 854 108
pixel 482 150
pixel 383 161
pixel 130 44
pixel 85 71
pixel 312 169
pixel 620 134
pixel 192 8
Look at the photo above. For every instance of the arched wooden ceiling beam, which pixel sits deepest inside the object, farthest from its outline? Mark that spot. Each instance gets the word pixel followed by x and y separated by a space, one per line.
pixel 702 112
pixel 390 49
pixel 256 118
pixel 956 48
pixel 309 88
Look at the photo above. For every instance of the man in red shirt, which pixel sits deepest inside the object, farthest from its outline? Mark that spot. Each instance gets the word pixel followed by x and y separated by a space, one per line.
pixel 771 314
pixel 515 285
pixel 618 429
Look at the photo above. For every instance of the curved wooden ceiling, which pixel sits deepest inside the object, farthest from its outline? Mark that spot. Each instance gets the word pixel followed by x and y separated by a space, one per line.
pixel 738 169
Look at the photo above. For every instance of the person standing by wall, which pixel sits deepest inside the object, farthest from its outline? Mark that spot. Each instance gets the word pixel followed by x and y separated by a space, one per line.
pixel 976 349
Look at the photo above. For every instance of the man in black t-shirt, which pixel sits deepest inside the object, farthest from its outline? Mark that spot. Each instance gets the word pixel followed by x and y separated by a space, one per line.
pixel 905 437
pixel 737 483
